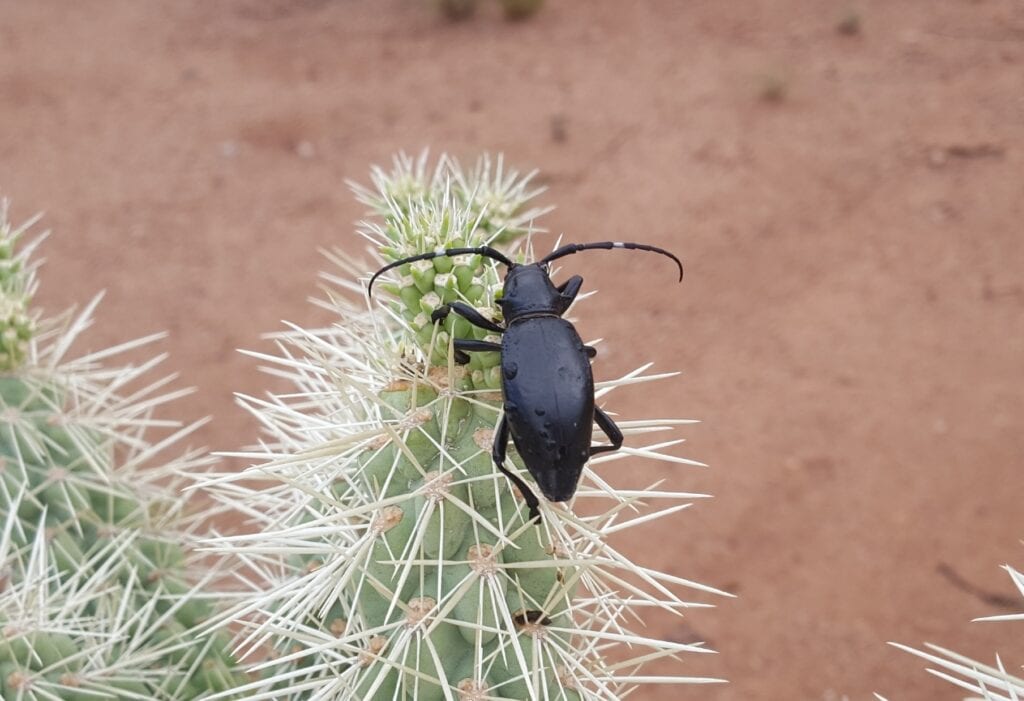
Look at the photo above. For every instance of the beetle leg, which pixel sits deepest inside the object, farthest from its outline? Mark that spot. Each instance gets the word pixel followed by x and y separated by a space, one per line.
pixel 614 433
pixel 567 292
pixel 468 344
pixel 590 351
pixel 570 288
pixel 498 455
pixel 466 312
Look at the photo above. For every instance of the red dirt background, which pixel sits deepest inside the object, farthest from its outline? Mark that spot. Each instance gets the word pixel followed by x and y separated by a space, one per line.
pixel 851 329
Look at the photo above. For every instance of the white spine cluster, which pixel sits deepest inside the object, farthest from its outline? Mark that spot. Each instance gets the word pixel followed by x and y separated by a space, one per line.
pixel 99 597
pixel 386 559
pixel 991 682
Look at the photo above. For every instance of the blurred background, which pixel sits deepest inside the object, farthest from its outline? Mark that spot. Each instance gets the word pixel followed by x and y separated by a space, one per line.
pixel 843 180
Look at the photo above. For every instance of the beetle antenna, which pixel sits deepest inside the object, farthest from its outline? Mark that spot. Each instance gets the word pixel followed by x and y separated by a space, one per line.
pixel 571 248
pixel 485 251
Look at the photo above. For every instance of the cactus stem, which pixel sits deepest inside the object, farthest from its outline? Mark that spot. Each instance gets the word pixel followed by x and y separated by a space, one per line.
pixel 378 468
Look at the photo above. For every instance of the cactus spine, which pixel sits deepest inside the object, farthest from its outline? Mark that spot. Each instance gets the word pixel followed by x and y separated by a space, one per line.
pixel 389 560
pixel 991 682
pixel 97 597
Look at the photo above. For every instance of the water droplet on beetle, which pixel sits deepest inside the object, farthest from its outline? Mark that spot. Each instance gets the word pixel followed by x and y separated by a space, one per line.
pixel 511 370
pixel 539 412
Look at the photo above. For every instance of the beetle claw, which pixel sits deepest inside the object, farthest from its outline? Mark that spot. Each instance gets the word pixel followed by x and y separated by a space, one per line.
pixel 439 314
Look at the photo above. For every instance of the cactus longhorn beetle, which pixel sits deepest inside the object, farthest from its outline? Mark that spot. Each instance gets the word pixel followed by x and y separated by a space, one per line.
pixel 546 380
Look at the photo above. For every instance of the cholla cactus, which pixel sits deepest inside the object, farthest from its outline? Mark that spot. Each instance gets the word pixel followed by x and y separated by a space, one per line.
pixel 992 682
pixel 97 596
pixel 389 559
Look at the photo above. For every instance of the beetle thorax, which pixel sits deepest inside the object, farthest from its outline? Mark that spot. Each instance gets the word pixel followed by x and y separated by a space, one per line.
pixel 528 290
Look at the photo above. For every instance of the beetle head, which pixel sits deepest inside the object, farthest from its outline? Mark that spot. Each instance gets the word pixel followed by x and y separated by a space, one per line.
pixel 529 290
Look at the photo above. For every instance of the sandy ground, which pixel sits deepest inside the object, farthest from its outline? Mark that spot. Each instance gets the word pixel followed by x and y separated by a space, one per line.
pixel 851 329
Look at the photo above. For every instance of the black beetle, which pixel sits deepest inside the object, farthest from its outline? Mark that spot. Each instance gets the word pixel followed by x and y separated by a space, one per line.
pixel 546 380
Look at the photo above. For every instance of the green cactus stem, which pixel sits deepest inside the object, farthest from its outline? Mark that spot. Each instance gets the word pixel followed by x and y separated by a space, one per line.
pixel 99 592
pixel 17 284
pixel 387 559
